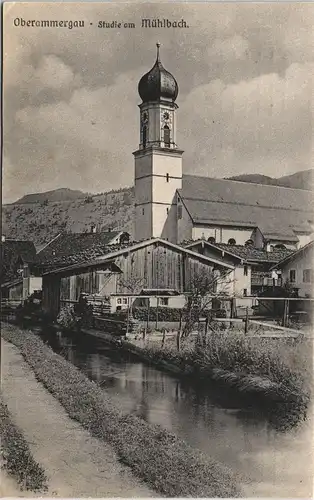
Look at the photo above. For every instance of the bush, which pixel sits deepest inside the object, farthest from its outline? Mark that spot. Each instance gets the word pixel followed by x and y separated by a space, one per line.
pixel 17 457
pixel 155 455
pixel 67 319
pixel 164 313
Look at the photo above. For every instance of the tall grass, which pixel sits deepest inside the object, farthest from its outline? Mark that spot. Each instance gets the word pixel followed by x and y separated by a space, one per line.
pixel 288 362
pixel 280 370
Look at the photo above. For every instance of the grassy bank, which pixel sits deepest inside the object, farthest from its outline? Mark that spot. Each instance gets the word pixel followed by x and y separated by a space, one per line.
pixel 274 370
pixel 165 462
pixel 16 455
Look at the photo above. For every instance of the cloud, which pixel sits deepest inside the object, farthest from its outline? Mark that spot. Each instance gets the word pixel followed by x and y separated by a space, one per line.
pixel 70 96
pixel 235 47
pixel 260 123
pixel 52 72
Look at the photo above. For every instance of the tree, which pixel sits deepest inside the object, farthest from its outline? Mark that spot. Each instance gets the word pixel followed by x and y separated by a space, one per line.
pixel 203 288
pixel 134 284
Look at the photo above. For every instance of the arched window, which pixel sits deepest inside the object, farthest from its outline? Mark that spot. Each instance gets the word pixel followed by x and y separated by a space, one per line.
pixel 280 246
pixel 249 243
pixel 144 136
pixel 167 136
pixel 211 239
pixel 231 241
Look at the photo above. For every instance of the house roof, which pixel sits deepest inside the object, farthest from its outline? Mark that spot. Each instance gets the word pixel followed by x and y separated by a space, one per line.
pixel 14 252
pixel 277 211
pixel 244 253
pixel 67 246
pixel 298 253
pixel 24 249
pixel 112 251
pixel 12 283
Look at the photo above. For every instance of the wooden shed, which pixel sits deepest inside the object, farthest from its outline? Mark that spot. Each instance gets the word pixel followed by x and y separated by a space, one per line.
pixel 154 264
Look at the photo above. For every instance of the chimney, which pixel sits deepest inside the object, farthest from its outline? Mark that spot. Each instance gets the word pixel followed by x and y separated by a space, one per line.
pixel 93 229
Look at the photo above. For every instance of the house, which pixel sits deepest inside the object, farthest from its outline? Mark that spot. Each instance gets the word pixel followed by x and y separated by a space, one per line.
pixel 179 207
pixel 297 270
pixel 253 273
pixel 17 257
pixel 127 269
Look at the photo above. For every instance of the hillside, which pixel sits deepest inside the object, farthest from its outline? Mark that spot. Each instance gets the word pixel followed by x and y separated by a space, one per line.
pixel 40 217
pixel 299 180
pixel 62 194
pixel 41 221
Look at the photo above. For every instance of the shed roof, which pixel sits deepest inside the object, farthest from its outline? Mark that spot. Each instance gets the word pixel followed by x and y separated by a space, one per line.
pixel 112 251
pixel 277 211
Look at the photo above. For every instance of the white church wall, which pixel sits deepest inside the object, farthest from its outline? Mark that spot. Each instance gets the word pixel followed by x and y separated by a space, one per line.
pixel 169 230
pixel 168 162
pixel 143 222
pixel 143 166
pixel 163 191
pixel 304 239
pixel 258 239
pixel 184 224
pixel 143 190
pixel 222 234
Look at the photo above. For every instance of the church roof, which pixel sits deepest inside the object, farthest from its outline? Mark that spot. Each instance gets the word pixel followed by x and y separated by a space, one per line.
pixel 277 211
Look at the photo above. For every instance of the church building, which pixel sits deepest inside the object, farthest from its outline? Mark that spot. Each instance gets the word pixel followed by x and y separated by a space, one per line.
pixel 179 207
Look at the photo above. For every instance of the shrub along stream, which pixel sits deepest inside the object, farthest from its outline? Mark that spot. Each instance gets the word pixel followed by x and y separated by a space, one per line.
pixel 166 463
pixel 269 372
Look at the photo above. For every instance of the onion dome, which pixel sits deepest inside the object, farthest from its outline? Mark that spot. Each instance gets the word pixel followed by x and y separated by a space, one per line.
pixel 158 83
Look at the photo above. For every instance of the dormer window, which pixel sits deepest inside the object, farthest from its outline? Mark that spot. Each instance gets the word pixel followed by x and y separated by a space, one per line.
pixel 280 246
pixel 231 241
pixel 249 243
pixel 211 240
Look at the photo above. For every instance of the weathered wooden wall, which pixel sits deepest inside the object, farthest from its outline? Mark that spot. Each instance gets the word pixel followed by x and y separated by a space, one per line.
pixel 51 294
pixel 157 266
pixel 153 266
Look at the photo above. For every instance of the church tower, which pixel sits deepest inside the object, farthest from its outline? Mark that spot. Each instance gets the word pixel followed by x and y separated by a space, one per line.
pixel 158 161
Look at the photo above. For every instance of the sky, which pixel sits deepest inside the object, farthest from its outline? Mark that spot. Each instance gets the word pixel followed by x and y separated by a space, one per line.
pixel 71 116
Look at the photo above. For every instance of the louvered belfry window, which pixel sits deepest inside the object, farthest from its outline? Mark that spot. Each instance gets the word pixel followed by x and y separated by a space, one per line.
pixel 167 136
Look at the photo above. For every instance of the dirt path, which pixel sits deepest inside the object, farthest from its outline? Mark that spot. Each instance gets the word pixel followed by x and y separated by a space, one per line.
pixel 77 465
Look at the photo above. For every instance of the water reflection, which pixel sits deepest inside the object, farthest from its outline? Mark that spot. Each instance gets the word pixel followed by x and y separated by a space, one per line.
pixel 273 463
